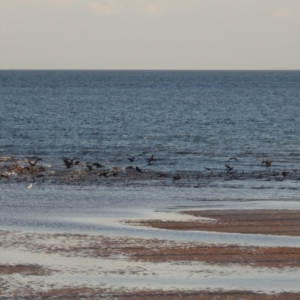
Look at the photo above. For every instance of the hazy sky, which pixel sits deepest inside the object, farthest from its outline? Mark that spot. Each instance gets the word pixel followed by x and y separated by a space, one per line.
pixel 149 34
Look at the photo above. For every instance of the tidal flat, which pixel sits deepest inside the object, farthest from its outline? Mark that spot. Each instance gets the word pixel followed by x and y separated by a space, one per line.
pixel 75 234
pixel 42 265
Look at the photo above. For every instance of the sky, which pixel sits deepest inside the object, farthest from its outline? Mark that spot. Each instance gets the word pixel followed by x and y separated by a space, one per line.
pixel 150 34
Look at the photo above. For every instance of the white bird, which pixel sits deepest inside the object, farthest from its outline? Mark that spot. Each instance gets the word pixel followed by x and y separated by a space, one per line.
pixel 30 186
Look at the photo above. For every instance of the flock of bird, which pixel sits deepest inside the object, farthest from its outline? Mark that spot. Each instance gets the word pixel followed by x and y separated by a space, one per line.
pixel 78 171
pixel 31 171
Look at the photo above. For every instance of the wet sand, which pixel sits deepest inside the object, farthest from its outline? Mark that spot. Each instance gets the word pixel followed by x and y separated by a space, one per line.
pixel 88 293
pixel 271 222
pixel 39 265
pixel 25 270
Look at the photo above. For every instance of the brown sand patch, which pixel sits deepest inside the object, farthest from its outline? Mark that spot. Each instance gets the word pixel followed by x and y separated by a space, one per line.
pixel 136 249
pixel 23 270
pixel 275 257
pixel 271 222
pixel 152 250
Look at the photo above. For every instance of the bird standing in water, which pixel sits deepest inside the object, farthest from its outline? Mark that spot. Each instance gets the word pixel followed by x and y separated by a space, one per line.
pixel 68 162
pixel 176 177
pixel 33 162
pixel 131 159
pixel 97 165
pixel 138 169
pixel 228 168
pixel 150 160
pixel 267 163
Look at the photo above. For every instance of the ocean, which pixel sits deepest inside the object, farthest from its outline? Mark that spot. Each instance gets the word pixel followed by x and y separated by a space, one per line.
pixel 210 134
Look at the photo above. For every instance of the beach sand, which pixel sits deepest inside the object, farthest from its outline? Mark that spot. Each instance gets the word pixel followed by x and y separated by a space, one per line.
pixel 274 222
pixel 36 265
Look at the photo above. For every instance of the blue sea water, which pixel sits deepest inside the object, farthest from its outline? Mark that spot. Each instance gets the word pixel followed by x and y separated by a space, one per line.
pixel 189 121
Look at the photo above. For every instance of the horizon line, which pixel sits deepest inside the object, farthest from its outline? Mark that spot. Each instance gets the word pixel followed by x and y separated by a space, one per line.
pixel 147 70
